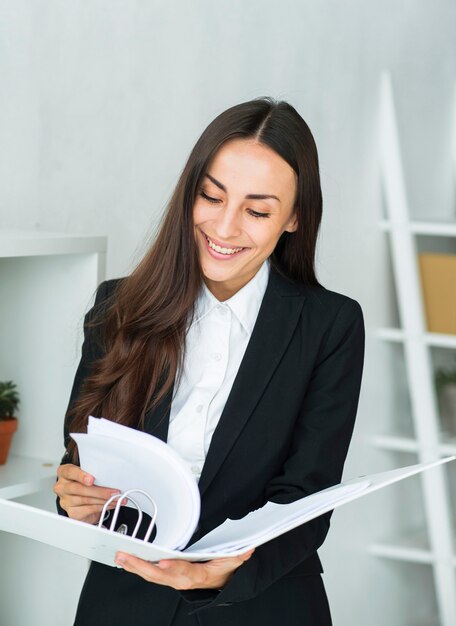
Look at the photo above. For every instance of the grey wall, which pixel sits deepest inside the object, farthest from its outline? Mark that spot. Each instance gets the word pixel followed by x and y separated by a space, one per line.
pixel 101 102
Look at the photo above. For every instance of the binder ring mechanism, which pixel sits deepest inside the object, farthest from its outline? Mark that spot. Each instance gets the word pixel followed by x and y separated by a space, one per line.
pixel 123 528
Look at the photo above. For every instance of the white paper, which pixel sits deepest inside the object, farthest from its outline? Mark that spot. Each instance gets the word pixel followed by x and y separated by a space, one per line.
pixel 273 519
pixel 125 458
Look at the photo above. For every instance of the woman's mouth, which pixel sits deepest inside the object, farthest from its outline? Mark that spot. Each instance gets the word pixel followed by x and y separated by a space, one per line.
pixel 218 252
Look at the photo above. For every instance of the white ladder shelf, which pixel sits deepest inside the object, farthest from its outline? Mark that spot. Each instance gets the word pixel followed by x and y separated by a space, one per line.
pixel 417 342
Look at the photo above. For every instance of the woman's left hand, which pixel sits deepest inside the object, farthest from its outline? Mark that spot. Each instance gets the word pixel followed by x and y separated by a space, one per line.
pixel 181 574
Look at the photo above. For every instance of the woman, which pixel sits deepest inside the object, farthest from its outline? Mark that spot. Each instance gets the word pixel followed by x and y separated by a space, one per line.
pixel 223 343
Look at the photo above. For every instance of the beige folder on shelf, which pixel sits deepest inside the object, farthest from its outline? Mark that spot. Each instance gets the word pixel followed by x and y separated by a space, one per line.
pixel 438 280
pixel 229 539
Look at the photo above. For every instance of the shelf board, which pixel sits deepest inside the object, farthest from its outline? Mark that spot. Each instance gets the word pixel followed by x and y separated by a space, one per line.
pixel 438 229
pixel 440 340
pixel 21 476
pixel 24 243
pixel 401 553
pixel 408 444
pixel 412 547
pixel 430 339
pixel 395 444
pixel 390 334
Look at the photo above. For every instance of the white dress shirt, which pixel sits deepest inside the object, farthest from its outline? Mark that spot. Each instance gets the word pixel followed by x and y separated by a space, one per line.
pixel 215 344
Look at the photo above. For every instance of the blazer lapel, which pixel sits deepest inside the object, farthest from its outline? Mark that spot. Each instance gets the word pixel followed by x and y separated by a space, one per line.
pixel 275 324
pixel 276 321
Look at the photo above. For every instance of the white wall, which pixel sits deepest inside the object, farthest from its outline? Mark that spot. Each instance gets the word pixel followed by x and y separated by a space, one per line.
pixel 101 102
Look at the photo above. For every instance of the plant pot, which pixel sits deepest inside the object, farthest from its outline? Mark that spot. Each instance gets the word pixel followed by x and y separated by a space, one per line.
pixel 8 427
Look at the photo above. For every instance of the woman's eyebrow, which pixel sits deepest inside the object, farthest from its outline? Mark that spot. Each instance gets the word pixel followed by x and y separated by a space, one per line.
pixel 250 196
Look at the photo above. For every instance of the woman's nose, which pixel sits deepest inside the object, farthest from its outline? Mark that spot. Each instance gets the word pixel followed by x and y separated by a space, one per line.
pixel 228 223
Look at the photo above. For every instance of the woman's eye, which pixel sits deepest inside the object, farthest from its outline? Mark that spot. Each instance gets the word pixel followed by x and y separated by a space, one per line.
pixel 208 198
pixel 256 214
pixel 253 213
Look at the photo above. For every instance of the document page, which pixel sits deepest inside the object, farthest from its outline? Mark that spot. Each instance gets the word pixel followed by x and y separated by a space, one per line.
pixel 272 520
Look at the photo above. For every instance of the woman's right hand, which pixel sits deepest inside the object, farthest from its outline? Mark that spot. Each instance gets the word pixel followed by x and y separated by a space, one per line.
pixel 79 497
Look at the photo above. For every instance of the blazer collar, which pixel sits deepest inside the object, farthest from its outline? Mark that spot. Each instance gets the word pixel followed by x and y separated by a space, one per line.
pixel 276 321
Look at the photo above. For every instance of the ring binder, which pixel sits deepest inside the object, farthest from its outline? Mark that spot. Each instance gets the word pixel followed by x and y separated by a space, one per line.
pixel 120 497
pixel 231 538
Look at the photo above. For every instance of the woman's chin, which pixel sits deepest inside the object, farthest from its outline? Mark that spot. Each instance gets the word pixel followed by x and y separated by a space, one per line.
pixel 218 275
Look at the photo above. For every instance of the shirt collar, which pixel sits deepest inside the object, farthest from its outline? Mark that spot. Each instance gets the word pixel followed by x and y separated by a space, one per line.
pixel 245 303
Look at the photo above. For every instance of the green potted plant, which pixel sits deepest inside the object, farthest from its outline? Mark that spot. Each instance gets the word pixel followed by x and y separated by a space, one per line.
pixel 445 380
pixel 9 401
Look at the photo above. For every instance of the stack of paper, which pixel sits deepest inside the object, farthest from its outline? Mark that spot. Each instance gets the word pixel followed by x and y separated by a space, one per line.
pixel 124 458
pixel 273 520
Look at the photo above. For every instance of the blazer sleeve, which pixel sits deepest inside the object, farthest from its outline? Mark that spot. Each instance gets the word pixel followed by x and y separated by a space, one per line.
pixel 89 353
pixel 320 443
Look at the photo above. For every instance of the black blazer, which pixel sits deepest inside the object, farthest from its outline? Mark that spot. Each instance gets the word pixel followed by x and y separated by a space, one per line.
pixel 283 434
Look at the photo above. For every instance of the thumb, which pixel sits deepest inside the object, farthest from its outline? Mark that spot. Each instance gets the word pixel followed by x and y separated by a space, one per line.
pixel 246 556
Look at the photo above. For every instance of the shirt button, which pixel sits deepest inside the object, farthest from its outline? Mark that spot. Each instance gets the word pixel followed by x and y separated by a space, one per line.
pixel 221 309
pixel 196 469
pixel 216 356
pixel 199 408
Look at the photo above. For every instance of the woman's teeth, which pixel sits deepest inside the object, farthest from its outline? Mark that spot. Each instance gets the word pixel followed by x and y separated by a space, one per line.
pixel 222 250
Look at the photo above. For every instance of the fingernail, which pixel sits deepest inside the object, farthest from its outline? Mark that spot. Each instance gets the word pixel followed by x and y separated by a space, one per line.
pixel 87 480
pixel 120 559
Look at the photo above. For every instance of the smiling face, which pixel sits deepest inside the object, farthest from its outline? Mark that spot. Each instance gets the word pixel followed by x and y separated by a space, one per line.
pixel 245 202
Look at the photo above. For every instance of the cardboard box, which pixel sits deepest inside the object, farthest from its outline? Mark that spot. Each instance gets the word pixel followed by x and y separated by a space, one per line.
pixel 438 280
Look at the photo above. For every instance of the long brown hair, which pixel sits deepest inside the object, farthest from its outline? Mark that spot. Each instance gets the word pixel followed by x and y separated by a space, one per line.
pixel 144 323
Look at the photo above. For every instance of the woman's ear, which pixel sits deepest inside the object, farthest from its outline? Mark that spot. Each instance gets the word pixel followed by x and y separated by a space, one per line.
pixel 292 224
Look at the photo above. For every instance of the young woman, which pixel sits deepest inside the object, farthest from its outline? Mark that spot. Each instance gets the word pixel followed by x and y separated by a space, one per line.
pixel 223 343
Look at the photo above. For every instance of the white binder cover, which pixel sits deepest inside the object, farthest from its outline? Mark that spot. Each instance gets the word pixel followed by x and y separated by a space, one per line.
pixel 229 539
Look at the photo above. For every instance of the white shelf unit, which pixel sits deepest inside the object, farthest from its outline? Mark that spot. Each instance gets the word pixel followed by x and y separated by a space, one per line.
pixel 45 280
pixel 433 545
pixel 47 283
pixel 22 476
